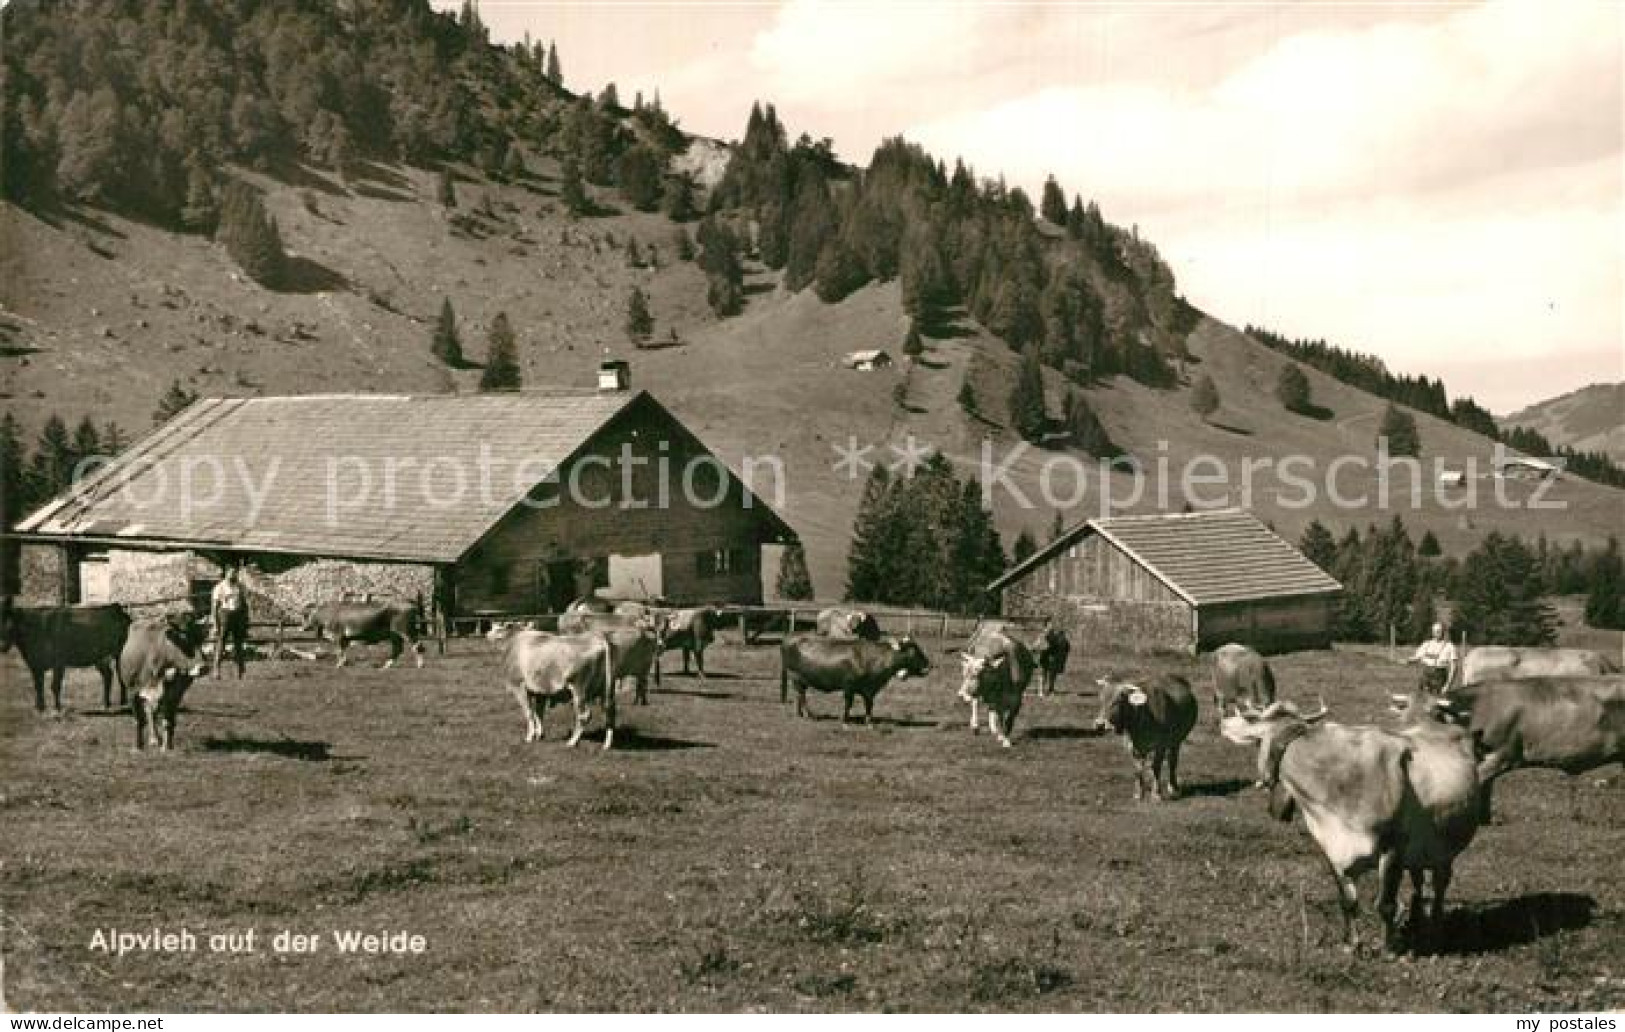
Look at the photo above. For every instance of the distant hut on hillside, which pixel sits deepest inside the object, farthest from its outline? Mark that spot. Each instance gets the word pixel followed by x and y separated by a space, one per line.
pixel 1175 583
pixel 867 361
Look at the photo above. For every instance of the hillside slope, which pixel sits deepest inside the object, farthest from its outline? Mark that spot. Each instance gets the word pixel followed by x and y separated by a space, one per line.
pixel 1589 419
pixel 100 313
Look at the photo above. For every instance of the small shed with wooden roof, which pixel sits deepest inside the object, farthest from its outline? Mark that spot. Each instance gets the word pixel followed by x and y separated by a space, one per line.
pixel 1177 583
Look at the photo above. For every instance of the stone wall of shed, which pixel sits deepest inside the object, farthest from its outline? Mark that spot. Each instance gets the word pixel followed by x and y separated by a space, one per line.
pixel 1107 626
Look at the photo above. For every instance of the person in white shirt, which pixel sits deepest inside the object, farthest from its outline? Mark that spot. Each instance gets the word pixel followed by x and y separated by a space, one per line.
pixel 1439 662
pixel 228 612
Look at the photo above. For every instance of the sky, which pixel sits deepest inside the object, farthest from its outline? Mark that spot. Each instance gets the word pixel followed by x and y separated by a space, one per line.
pixel 1439 184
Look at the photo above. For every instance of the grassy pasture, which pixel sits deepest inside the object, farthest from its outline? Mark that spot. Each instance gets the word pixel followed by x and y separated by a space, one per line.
pixel 730 857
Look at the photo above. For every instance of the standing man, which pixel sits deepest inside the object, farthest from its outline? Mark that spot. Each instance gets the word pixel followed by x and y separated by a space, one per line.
pixel 228 611
pixel 1440 665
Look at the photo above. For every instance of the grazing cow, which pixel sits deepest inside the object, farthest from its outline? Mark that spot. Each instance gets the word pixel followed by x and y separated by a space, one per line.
pixel 848 623
pixel 1155 719
pixel 1505 663
pixel 539 668
pixel 852 666
pixel 996 672
pixel 1571 724
pixel 1396 802
pixel 55 638
pixel 159 661
pixel 399 623
pixel 1052 648
pixel 691 630
pixel 1240 674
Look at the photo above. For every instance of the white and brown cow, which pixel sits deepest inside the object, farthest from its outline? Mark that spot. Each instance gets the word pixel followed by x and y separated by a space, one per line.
pixel 540 668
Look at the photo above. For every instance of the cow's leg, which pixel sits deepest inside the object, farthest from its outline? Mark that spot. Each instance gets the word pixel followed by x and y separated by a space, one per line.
pixel 1441 884
pixel 38 674
pixel 583 712
pixel 536 712
pixel 1159 756
pixel 417 654
pixel 998 727
pixel 342 643
pixel 868 708
pixel 1348 902
pixel 396 646
pixel 699 662
pixel 1173 771
pixel 1140 761
pixel 1389 875
pixel 105 668
pixel 609 717
pixel 1416 911
pixel 846 705
pixel 139 707
pixel 975 716
pixel 801 699
pixel 56 688
pixel 168 716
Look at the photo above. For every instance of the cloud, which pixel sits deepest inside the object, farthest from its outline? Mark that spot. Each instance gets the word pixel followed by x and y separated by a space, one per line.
pixel 1324 115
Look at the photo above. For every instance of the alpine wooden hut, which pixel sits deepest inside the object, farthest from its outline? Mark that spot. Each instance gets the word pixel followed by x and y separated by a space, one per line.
pixel 1177 583
pixel 504 502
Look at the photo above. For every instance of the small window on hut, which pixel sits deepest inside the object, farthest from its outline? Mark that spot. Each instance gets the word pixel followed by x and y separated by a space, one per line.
pixel 718 562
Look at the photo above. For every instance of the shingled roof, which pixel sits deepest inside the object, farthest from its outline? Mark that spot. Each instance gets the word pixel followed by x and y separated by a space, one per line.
pixel 311 450
pixel 1206 558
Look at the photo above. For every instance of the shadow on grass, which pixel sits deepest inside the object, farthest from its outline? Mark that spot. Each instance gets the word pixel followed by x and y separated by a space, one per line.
pixel 1064 734
pixel 378 193
pixel 1217 789
pixel 1316 412
pixel 1487 928
pixel 629 739
pixel 303 276
pixel 926 363
pixel 287 748
pixel 1232 428
pixel 691 693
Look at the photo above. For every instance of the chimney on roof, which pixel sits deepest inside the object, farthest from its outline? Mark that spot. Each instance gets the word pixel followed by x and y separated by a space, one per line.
pixel 615 375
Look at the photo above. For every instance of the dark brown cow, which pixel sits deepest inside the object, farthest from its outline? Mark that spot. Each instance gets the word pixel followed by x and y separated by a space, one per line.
pixel 852 666
pixel 160 660
pixel 54 638
pixel 399 623
pixel 1155 719
pixel 997 670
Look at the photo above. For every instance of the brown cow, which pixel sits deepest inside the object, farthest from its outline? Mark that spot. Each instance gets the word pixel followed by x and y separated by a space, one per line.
pixel 55 638
pixel 158 663
pixel 1240 675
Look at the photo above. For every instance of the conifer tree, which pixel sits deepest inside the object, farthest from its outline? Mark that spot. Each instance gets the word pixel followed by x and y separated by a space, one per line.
pixel 1429 546
pixel 678 197
pixel 794 582
pixel 445 343
pixel 639 323
pixel 1053 205
pixel 913 345
pixel 173 402
pixel 502 372
pixel 1399 427
pixel 251 236
pixel 1497 596
pixel 555 73
pixel 1605 595
pixel 572 191
pixel 1318 545
pixel 1028 416
pixel 1292 388
pixel 967 398
pixel 1205 396
pixel 1024 547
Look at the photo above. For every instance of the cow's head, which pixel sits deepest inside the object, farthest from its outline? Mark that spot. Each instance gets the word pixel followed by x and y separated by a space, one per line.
pixel 1119 701
pixel 1247 724
pixel 910 659
pixel 974 668
pixel 184 632
pixel 1421 707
